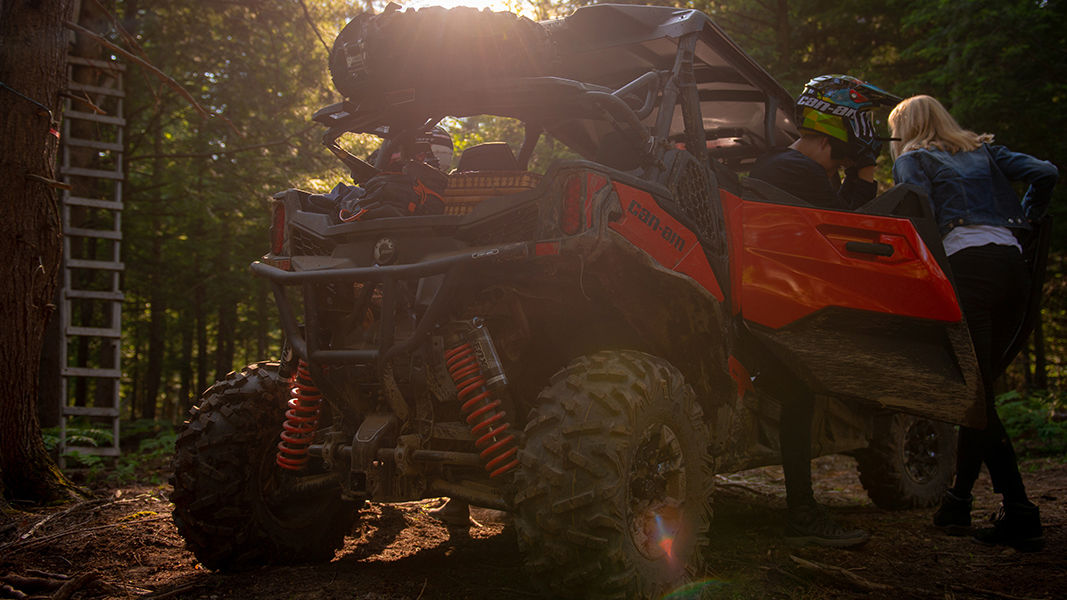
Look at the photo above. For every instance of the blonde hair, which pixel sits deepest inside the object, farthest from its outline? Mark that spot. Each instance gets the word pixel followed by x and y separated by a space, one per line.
pixel 923 122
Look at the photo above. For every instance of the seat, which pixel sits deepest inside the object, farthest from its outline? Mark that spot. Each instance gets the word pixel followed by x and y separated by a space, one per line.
pixel 490 156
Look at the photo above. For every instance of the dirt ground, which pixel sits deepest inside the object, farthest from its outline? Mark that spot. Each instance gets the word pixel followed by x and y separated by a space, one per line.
pixel 122 544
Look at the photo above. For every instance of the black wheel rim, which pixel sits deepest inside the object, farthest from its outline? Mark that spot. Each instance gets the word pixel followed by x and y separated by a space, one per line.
pixel 920 451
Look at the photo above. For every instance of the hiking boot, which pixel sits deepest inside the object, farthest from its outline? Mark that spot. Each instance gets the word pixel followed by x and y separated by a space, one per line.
pixel 1017 524
pixel 813 525
pixel 954 514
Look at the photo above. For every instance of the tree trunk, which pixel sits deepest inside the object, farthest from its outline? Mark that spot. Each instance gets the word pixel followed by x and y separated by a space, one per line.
pixel 263 322
pixel 1040 360
pixel 227 311
pixel 157 338
pixel 185 370
pixel 32 68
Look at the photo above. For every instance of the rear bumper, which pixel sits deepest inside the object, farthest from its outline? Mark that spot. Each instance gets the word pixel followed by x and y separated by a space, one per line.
pixel 305 342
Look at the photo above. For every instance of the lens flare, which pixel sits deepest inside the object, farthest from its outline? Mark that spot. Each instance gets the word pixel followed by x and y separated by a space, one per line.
pixel 693 590
pixel 664 538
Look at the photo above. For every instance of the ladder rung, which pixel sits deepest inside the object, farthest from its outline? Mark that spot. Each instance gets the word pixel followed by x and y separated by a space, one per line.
pixel 91 372
pixel 105 234
pixel 90 411
pixel 94 332
pixel 95 450
pixel 103 265
pixel 85 116
pixel 81 143
pixel 80 172
pixel 92 62
pixel 96 89
pixel 96 295
pixel 93 203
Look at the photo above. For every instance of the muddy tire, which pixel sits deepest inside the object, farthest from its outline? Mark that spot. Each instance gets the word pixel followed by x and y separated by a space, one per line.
pixel 614 480
pixel 909 463
pixel 232 504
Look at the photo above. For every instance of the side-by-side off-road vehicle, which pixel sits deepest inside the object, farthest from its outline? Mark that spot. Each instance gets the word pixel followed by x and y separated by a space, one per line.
pixel 581 347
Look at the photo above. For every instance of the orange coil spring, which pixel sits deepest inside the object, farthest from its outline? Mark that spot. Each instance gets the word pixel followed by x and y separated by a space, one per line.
pixel 301 420
pixel 481 410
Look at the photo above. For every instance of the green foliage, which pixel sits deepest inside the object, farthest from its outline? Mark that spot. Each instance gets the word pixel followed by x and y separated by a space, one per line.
pixel 78 434
pixel 1036 423
pixel 146 445
pixel 471 131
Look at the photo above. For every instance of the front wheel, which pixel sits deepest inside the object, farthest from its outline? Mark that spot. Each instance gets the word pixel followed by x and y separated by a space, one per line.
pixel 614 482
pixel 232 504
pixel 909 463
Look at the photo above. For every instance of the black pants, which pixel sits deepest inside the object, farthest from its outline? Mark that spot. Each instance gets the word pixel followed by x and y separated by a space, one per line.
pixel 794 427
pixel 992 282
pixel 794 436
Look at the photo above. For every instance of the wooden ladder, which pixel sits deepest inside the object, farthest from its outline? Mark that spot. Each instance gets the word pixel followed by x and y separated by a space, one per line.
pixel 90 307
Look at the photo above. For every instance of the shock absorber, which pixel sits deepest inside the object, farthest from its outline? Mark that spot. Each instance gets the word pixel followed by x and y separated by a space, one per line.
pixel 476 370
pixel 301 420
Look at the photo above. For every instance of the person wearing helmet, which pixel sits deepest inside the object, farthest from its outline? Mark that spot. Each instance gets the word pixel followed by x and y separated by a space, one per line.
pixel 837 134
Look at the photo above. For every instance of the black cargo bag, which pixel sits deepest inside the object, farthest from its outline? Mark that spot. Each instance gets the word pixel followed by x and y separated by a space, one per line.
pixel 377 58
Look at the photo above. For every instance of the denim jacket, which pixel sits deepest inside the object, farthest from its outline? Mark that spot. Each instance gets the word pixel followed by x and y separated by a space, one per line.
pixel 975 187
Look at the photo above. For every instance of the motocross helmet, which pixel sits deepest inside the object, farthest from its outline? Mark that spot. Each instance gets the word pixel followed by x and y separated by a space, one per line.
pixel 839 106
pixel 434 147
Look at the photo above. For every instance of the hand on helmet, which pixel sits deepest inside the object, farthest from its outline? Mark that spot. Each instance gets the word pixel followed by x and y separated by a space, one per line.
pixel 866 152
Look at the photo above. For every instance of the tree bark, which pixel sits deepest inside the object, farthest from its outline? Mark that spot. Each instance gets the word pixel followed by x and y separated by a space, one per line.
pixel 33 47
pixel 1040 360
pixel 227 311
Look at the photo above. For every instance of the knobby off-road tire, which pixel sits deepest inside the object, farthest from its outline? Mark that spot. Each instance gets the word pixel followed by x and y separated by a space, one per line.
pixel 909 463
pixel 231 502
pixel 614 483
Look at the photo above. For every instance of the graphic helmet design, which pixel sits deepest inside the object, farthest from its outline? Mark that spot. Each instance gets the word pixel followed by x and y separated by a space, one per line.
pixel 434 147
pixel 840 106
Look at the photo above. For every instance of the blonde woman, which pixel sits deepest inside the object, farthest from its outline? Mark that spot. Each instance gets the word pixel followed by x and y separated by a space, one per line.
pixel 969 182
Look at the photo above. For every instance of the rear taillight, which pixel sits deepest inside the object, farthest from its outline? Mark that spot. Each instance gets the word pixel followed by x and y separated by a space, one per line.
pixel 579 193
pixel 277 229
pixel 570 221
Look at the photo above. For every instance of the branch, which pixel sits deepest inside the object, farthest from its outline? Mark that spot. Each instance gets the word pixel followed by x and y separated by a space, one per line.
pixel 848 577
pixel 225 152
pixel 27 543
pixel 155 71
pixel 126 35
pixel 307 15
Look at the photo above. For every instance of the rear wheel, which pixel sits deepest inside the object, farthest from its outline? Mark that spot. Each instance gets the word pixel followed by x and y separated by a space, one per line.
pixel 232 504
pixel 614 481
pixel 909 463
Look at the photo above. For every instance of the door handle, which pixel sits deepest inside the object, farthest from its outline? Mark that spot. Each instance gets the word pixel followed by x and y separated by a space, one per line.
pixel 869 248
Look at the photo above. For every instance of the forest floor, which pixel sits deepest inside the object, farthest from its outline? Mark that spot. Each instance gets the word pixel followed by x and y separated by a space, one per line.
pixel 122 544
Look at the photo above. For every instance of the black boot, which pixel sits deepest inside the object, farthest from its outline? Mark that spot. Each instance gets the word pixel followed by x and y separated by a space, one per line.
pixel 954 514
pixel 1017 524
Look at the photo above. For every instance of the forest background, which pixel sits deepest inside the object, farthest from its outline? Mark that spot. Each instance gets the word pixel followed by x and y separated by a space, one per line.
pixel 196 197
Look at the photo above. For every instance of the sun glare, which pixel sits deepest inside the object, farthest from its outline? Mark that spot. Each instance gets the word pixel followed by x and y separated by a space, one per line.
pixel 515 6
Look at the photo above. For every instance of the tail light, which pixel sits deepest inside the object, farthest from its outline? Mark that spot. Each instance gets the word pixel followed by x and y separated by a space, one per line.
pixel 578 194
pixel 277 229
pixel 570 220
